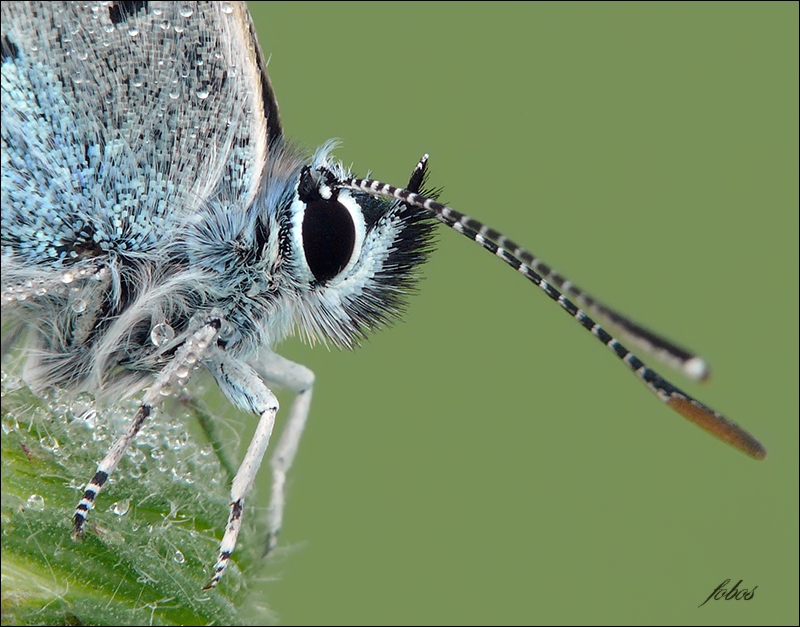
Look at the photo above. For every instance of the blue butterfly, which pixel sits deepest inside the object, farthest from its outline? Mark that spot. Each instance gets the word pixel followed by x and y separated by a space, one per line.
pixel 156 221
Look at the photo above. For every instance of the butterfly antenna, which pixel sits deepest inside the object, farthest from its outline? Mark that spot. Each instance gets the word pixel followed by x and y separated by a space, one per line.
pixel 548 281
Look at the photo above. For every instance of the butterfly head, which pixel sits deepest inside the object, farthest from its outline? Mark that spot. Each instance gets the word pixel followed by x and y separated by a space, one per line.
pixel 350 256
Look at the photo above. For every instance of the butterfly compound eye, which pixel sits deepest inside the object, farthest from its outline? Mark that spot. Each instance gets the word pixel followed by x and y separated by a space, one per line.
pixel 329 237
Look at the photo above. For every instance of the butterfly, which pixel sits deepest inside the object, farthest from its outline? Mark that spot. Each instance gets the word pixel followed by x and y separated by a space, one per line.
pixel 156 221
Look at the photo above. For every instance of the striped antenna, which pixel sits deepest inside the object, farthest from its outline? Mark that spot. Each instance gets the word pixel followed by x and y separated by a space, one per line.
pixel 542 276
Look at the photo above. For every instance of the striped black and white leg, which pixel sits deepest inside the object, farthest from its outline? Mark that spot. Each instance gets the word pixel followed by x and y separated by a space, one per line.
pixel 175 372
pixel 242 386
pixel 688 407
pixel 300 380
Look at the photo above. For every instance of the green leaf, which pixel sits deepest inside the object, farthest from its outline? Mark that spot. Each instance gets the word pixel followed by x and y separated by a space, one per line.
pixel 150 543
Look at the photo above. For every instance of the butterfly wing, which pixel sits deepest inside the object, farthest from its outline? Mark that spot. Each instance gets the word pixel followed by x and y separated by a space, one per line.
pixel 121 118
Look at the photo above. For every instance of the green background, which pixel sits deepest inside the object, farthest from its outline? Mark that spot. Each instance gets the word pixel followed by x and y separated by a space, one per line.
pixel 486 461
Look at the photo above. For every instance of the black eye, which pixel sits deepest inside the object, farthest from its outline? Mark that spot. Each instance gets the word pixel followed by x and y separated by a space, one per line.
pixel 329 237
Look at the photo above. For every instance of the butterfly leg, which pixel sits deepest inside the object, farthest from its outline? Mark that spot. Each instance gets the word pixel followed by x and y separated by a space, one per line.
pixel 177 371
pixel 300 380
pixel 246 390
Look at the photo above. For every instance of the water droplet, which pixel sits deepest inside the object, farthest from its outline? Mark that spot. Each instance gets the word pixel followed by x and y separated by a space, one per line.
pixel 136 455
pixel 9 424
pixel 186 11
pixel 179 558
pixel 120 508
pixel 49 443
pixel 202 93
pixel 83 408
pixel 79 306
pixel 133 32
pixel 179 442
pixel 227 8
pixel 35 502
pixel 162 333
pixel 67 277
